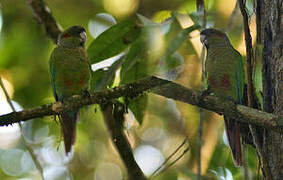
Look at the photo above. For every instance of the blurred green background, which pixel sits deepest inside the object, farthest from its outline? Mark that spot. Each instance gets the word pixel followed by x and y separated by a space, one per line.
pixel 24 54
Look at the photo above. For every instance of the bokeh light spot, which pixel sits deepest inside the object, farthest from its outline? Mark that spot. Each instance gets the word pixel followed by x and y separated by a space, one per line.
pixel 148 158
pixel 92 153
pixel 107 171
pixel 120 8
pixel 15 162
pixel 56 172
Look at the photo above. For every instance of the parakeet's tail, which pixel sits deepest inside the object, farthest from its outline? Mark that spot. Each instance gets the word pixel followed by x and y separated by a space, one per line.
pixel 233 133
pixel 68 124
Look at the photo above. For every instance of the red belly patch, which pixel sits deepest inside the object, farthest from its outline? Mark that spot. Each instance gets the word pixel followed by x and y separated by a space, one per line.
pixel 225 81
pixel 68 83
pixel 212 81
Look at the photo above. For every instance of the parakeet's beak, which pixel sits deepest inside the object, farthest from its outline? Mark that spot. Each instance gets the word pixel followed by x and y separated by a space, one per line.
pixel 83 36
pixel 202 38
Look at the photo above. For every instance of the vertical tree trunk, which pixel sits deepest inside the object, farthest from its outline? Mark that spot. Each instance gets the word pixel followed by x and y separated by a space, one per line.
pixel 270 26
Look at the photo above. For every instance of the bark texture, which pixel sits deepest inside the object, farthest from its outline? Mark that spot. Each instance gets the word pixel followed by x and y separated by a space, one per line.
pixel 270 18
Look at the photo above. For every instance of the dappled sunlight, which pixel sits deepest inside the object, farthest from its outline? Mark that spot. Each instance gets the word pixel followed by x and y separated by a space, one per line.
pixel 186 22
pixel 196 42
pixel 241 47
pixel 226 7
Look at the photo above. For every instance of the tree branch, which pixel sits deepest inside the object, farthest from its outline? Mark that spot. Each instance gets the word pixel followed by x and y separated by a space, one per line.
pixel 249 68
pixel 113 113
pixel 158 86
pixel 249 51
pixel 42 14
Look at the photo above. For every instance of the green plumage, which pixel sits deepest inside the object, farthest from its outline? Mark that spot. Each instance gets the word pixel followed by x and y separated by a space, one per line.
pixel 70 75
pixel 225 78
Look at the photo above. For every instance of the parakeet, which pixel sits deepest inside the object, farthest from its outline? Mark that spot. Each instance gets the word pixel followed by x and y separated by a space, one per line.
pixel 70 75
pixel 225 76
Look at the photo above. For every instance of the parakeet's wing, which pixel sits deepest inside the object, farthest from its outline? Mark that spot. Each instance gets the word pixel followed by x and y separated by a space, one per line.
pixel 52 72
pixel 240 78
pixel 205 75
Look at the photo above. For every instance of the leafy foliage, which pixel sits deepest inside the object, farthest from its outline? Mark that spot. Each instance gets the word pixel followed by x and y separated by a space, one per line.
pixel 161 45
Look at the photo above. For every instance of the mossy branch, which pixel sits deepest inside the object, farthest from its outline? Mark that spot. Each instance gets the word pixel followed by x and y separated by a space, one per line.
pixel 158 86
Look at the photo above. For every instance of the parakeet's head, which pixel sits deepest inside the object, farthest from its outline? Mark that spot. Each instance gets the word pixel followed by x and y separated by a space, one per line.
pixel 74 36
pixel 214 37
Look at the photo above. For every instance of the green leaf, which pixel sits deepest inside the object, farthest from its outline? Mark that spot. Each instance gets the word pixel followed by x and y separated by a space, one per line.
pixel 174 29
pixel 136 67
pixel 146 21
pixel 175 38
pixel 179 39
pixel 257 75
pixel 138 106
pixel 113 41
pixel 131 62
pixel 108 76
pixel 95 77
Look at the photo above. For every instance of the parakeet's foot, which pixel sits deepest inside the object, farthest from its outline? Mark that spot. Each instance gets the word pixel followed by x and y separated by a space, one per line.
pixel 206 92
pixel 85 93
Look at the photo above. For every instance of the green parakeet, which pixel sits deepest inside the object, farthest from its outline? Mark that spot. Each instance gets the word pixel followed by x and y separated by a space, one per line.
pixel 225 76
pixel 70 75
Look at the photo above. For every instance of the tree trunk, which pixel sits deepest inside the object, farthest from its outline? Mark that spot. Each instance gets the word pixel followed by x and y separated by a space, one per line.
pixel 269 23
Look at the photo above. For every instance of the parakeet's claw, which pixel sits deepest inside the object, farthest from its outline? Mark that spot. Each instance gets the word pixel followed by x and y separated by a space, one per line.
pixel 85 93
pixel 206 92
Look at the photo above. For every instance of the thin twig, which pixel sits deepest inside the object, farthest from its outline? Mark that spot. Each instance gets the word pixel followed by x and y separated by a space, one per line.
pixel 169 157
pixel 27 145
pixel 177 159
